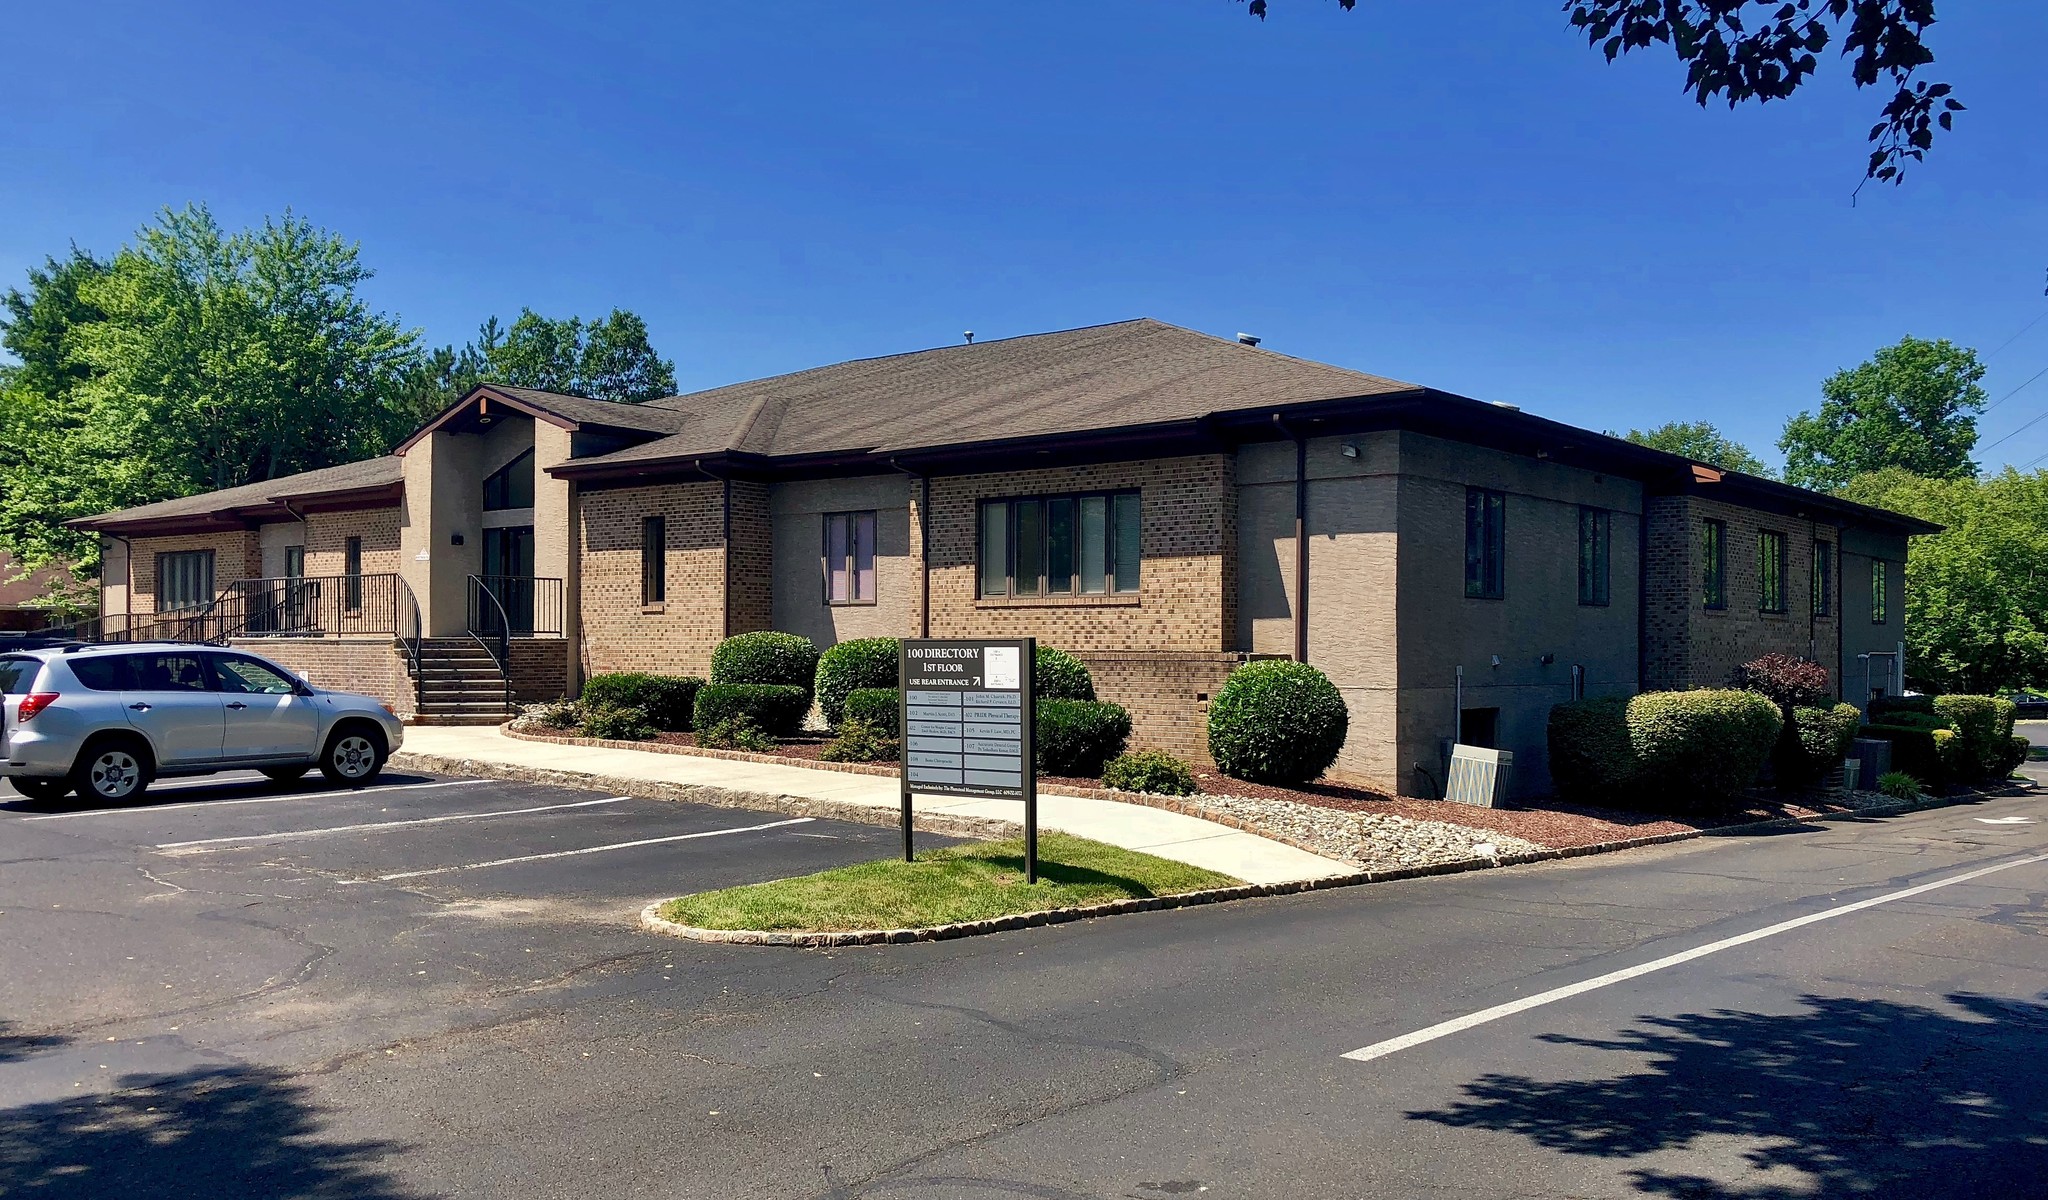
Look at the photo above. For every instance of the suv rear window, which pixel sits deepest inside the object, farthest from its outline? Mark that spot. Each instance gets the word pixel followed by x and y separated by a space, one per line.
pixel 104 672
pixel 18 675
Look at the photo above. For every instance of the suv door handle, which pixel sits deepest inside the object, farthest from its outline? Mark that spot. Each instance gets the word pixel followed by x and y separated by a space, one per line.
pixel 139 707
pixel 238 704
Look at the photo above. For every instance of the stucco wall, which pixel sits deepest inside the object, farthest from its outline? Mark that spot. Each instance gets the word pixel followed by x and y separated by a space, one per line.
pixel 1860 634
pixel 798 514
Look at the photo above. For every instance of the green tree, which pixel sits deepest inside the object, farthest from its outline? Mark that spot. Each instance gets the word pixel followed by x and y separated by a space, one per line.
pixel 1766 50
pixel 607 359
pixel 1976 593
pixel 1700 440
pixel 1913 406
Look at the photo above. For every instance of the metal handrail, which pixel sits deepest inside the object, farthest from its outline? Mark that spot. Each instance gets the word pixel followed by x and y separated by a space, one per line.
pixel 479 624
pixel 408 618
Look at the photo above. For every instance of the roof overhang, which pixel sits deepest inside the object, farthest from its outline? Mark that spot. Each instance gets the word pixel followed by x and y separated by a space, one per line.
pixel 248 516
pixel 477 403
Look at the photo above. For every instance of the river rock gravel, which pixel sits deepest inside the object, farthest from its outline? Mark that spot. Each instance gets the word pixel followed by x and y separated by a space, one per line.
pixel 1368 840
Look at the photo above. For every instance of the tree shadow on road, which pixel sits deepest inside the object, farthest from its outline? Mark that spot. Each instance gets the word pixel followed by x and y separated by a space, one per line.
pixel 1847 1098
pixel 16 1046
pixel 240 1132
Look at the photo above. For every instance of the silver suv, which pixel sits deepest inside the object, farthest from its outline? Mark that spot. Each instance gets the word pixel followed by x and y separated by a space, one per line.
pixel 106 720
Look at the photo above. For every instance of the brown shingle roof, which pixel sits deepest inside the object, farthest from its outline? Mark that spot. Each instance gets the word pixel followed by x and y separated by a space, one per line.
pixel 585 411
pixel 1131 373
pixel 349 477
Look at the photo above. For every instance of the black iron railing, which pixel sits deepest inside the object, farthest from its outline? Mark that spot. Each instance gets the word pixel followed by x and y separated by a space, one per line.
pixel 515 605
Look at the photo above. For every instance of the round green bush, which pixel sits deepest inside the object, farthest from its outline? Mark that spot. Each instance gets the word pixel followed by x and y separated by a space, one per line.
pixel 1822 737
pixel 1591 758
pixel 1153 771
pixel 1057 675
pixel 777 708
pixel 1277 722
pixel 766 657
pixel 1077 737
pixel 617 724
pixel 849 666
pixel 666 699
pixel 859 741
pixel 1983 726
pixel 879 707
pixel 736 733
pixel 1702 746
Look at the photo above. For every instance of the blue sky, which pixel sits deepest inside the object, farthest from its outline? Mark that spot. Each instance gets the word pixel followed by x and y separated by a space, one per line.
pixel 1461 195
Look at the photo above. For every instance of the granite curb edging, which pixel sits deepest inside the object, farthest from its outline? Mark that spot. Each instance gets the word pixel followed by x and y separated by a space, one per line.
pixel 652 921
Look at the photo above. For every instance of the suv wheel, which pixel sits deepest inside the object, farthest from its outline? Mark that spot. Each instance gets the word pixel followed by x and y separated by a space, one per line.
pixel 114 771
pixel 354 755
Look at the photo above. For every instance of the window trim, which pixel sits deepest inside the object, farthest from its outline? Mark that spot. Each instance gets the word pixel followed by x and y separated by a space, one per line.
pixel 1599 524
pixel 850 553
pixel 1775 573
pixel 1880 587
pixel 1823 579
pixel 653 559
pixel 1714 568
pixel 207 577
pixel 1480 583
pixel 1113 589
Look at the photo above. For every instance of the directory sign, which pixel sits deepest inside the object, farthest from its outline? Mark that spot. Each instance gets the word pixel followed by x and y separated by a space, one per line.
pixel 966 718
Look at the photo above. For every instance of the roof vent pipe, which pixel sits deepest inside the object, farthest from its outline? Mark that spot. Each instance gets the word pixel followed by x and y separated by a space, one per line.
pixel 1246 339
pixel 1506 405
pixel 969 335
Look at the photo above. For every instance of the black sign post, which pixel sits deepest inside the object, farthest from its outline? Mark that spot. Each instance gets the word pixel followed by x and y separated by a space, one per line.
pixel 968 719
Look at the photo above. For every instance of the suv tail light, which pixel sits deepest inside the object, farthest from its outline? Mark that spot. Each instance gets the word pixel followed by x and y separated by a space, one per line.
pixel 34 703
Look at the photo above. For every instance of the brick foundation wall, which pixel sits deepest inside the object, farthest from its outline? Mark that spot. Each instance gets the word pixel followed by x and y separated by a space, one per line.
pixel 369 666
pixel 1167 695
pixel 618 633
pixel 539 669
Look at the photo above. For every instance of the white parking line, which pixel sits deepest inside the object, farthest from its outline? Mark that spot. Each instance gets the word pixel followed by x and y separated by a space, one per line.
pixel 1408 1041
pixel 525 858
pixel 287 835
pixel 331 793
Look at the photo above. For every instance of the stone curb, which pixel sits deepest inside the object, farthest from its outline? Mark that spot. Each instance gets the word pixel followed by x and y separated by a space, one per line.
pixel 653 922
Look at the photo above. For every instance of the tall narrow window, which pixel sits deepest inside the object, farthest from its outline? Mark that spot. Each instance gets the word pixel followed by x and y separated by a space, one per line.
pixel 294 562
pixel 653 560
pixel 850 558
pixel 510 486
pixel 352 567
pixel 1823 579
pixel 1714 563
pixel 995 548
pixel 184 579
pixel 1770 571
pixel 1485 543
pixel 1027 569
pixel 1595 534
pixel 1879 578
pixel 1125 543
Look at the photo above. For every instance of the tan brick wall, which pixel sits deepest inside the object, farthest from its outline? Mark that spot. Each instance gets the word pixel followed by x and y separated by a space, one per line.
pixel 237 554
pixel 677 636
pixel 750 597
pixel 1688 645
pixel 1188 509
pixel 539 669
pixel 327 537
pixel 1167 695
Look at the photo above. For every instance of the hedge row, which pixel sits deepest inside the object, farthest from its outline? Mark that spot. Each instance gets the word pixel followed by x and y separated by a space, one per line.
pixel 1662 749
pixel 1942 740
pixel 664 701
pixel 777 709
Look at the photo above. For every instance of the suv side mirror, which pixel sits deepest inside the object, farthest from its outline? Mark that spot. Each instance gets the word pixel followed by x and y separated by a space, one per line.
pixel 305 683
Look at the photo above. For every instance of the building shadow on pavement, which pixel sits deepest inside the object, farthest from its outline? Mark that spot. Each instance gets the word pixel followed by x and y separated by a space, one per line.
pixel 16 1046
pixel 227 1132
pixel 1846 1098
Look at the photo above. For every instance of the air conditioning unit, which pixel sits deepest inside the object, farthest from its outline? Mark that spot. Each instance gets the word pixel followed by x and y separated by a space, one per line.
pixel 1479 776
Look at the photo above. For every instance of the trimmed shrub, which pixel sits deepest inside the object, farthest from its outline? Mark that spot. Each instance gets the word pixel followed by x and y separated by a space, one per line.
pixel 1702 746
pixel 1275 721
pixel 1914 750
pixel 1983 726
pixel 555 714
pixel 850 666
pixel 766 657
pixel 1591 758
pixel 1153 771
pixel 1819 740
pixel 1899 785
pixel 1661 750
pixel 2016 750
pixel 878 707
pixel 1884 708
pixel 859 741
pixel 617 724
pixel 1077 737
pixel 1787 680
pixel 737 732
pixel 1057 675
pixel 666 699
pixel 775 708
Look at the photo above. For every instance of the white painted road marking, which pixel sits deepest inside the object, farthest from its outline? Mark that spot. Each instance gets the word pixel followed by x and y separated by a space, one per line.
pixel 526 858
pixel 336 793
pixel 1471 1020
pixel 191 846
pixel 2005 820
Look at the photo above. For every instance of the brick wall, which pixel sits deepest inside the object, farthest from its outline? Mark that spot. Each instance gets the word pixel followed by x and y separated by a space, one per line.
pixel 369 666
pixel 237 554
pixel 678 635
pixel 1167 695
pixel 1686 644
pixel 1188 507
pixel 539 669
pixel 750 598
pixel 327 537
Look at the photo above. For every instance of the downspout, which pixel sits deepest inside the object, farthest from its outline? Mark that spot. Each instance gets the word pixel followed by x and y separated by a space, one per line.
pixel 924 547
pixel 1300 537
pixel 724 545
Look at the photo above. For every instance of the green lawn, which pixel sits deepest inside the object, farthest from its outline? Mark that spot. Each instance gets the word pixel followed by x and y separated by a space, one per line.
pixel 959 883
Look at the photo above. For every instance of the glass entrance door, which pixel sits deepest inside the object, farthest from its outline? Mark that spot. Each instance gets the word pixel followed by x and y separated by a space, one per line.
pixel 508 574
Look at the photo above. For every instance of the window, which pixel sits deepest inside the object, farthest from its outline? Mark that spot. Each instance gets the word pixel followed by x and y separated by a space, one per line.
pixel 184 579
pixel 234 673
pixel 1084 545
pixel 1595 534
pixel 1714 560
pixel 850 558
pixel 653 560
pixel 1879 577
pixel 18 675
pixel 352 566
pixel 172 671
pixel 1485 543
pixel 1770 571
pixel 294 562
pixel 1823 579
pixel 510 486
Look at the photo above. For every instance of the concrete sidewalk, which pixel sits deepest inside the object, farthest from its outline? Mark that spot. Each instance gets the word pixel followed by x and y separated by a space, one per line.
pixel 1134 827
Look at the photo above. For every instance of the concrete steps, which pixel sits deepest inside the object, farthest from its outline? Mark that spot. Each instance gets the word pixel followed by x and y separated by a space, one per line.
pixel 460 684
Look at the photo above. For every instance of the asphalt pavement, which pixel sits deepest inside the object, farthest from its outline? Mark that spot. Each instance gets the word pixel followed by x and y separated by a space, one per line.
pixel 358 997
